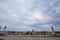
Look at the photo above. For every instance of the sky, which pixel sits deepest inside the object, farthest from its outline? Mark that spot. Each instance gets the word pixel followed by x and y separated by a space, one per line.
pixel 25 15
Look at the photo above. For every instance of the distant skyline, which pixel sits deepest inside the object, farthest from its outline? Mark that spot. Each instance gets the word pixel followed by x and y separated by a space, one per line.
pixel 25 15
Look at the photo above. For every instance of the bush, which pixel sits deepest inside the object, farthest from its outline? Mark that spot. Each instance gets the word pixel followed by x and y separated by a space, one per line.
pixel 1 34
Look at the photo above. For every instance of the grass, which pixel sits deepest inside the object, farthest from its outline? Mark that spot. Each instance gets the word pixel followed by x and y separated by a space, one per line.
pixel 1 35
pixel 1 39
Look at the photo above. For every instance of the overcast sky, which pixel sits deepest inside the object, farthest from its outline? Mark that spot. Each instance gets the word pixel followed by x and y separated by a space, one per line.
pixel 24 15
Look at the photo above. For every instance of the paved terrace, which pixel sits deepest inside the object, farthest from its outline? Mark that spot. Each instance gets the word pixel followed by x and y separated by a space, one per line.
pixel 28 37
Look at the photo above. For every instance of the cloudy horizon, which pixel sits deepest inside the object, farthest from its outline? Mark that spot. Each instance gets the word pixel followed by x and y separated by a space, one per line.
pixel 23 15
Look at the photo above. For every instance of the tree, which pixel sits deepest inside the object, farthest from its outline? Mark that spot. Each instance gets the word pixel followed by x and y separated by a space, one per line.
pixel 5 28
pixel 0 27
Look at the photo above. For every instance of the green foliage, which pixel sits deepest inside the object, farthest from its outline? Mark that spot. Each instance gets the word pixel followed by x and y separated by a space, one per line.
pixel 1 39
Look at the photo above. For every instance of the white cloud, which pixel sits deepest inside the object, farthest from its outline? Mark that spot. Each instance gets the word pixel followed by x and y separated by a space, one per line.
pixel 26 12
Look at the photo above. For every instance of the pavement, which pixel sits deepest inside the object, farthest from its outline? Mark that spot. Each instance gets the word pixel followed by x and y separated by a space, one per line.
pixel 28 37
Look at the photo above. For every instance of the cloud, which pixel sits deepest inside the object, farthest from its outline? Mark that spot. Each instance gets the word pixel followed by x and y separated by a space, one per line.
pixel 29 14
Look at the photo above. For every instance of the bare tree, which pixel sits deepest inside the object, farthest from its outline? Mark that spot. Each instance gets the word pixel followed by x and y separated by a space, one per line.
pixel 4 30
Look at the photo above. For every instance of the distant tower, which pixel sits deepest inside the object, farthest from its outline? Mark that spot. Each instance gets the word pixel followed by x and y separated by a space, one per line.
pixel 32 30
